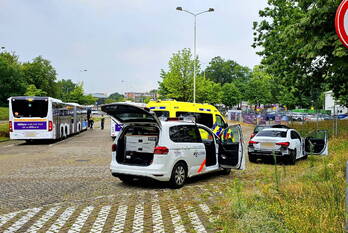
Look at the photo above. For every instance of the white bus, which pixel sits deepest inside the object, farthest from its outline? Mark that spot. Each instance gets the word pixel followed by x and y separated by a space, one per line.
pixel 32 117
pixel 116 127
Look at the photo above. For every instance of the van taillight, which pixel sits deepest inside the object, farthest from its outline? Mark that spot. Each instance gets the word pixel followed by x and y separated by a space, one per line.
pixel 10 126
pixel 50 126
pixel 252 142
pixel 113 147
pixel 161 150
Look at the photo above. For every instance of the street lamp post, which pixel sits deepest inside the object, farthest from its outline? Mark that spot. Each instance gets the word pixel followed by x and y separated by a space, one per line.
pixel 194 46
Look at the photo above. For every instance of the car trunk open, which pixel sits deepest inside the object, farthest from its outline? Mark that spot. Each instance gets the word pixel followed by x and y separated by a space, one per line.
pixel 136 144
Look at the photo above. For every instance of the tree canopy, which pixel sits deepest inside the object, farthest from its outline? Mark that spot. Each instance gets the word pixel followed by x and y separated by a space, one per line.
pixel 300 48
pixel 221 71
pixel 36 78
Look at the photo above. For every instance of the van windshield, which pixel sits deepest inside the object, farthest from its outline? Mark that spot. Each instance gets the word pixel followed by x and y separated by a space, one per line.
pixel 201 118
pixel 162 113
pixel 32 108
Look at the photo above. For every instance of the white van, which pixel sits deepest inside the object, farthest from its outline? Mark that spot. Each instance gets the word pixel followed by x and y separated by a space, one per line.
pixel 171 150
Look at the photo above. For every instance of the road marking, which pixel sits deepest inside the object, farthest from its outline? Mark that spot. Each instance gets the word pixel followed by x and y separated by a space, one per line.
pixel 6 217
pixel 157 215
pixel 80 221
pixel 120 219
pixel 138 221
pixel 196 222
pixel 37 225
pixel 205 208
pixel 61 220
pixel 15 226
pixel 101 219
pixel 176 219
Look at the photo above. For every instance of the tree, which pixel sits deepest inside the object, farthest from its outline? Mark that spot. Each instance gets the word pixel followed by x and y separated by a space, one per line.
pixel 207 91
pixel 300 48
pixel 42 74
pixel 116 97
pixel 33 91
pixel 177 82
pixel 231 95
pixel 64 89
pixel 221 71
pixel 259 88
pixel 78 96
pixel 12 80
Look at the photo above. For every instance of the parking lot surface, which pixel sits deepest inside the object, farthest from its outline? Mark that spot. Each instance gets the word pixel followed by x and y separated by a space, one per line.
pixel 66 186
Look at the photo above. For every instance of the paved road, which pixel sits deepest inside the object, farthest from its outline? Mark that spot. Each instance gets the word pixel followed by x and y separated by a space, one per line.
pixel 66 186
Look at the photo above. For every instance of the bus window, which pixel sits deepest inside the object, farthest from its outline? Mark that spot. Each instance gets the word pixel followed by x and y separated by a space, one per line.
pixel 201 118
pixel 162 113
pixel 26 108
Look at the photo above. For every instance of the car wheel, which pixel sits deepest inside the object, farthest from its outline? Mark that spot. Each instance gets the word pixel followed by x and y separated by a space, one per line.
pixel 252 159
pixel 292 157
pixel 226 171
pixel 179 175
pixel 305 156
pixel 126 179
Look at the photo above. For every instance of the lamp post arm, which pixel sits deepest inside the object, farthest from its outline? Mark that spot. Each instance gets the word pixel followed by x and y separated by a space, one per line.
pixel 188 12
pixel 201 13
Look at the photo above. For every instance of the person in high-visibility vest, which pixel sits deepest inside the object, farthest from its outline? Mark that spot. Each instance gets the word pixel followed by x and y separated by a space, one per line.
pixel 217 129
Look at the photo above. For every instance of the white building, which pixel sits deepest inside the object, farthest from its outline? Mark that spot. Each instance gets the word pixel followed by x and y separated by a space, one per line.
pixel 332 105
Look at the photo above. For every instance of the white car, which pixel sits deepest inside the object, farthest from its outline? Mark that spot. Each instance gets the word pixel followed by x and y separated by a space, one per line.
pixel 286 143
pixel 171 150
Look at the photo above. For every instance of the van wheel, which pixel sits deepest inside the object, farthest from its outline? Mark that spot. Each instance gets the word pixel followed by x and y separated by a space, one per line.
pixel 179 175
pixel 126 179
pixel 226 171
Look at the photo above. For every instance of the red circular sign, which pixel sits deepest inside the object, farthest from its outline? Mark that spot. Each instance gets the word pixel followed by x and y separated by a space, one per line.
pixel 341 22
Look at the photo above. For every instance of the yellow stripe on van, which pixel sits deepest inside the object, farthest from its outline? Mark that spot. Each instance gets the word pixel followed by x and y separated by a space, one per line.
pixel 30 120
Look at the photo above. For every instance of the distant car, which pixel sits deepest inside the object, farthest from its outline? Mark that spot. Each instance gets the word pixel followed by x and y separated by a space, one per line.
pixel 286 144
pixel 270 116
pixel 258 128
pixel 297 116
pixel 97 112
pixel 342 116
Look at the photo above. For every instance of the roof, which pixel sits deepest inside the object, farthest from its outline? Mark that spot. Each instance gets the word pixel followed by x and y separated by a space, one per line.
pixel 275 129
pixel 181 106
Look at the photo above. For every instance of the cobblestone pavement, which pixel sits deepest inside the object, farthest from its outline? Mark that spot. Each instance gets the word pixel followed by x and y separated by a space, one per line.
pixel 66 186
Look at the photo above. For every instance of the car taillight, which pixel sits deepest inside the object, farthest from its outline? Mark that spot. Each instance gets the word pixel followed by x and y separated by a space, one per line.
pixel 252 142
pixel 252 135
pixel 283 144
pixel 10 126
pixel 161 150
pixel 50 126
pixel 113 147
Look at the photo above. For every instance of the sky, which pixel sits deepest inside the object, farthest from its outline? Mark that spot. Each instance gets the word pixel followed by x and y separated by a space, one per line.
pixel 124 44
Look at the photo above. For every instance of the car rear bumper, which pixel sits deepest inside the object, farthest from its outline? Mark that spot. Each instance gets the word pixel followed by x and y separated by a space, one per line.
pixel 154 171
pixel 263 153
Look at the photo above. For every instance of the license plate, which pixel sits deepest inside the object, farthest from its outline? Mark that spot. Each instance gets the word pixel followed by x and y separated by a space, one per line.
pixel 30 134
pixel 267 144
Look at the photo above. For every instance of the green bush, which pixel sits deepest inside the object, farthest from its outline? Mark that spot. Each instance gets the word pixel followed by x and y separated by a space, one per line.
pixel 3 113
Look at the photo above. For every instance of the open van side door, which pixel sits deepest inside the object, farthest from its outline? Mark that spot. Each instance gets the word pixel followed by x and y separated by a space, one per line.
pixel 231 154
pixel 317 143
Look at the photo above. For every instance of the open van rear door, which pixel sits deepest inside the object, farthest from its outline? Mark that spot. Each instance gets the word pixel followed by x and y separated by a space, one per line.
pixel 317 143
pixel 127 113
pixel 231 154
